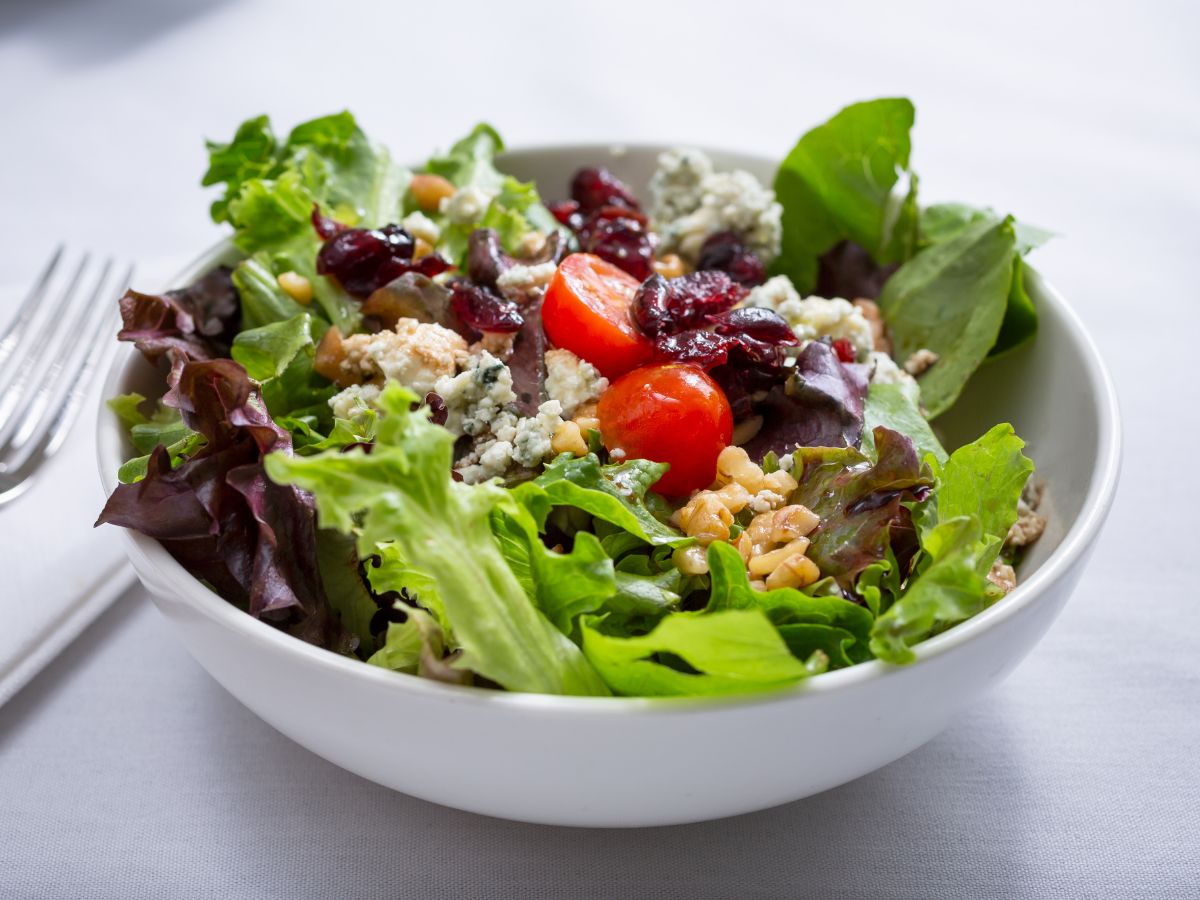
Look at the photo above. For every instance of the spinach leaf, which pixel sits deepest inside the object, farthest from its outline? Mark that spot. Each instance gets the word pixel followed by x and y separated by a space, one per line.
pixel 951 299
pixel 849 179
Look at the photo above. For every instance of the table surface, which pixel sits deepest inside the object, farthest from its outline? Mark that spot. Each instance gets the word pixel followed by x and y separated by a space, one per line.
pixel 125 771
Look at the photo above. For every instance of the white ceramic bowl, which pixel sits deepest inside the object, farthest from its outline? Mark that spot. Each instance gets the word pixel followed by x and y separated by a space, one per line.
pixel 629 762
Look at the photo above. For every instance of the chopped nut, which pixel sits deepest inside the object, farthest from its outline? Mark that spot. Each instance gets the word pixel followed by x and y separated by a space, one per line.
pixel 780 482
pixel 1003 576
pixel 879 335
pixel 792 522
pixel 706 518
pixel 734 464
pixel 670 266
pixel 797 571
pixel 691 560
pixel 429 190
pixel 296 286
pixel 757 584
pixel 920 361
pixel 330 354
pixel 1027 529
pixel 567 438
pixel 734 496
pixel 769 562
pixel 422 248
pixel 532 243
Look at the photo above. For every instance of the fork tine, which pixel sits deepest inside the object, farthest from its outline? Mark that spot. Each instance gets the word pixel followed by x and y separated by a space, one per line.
pixel 25 312
pixel 60 376
pixel 47 338
pixel 17 480
pixel 101 347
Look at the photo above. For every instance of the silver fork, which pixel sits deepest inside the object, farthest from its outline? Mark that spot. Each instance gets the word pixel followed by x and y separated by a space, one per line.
pixel 50 354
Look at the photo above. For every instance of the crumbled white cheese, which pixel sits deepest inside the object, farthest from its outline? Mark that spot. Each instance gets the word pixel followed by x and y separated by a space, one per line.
pixel 815 317
pixel 416 354
pixel 885 371
pixel 521 279
pixel 514 441
pixel 535 433
pixel 690 201
pixel 765 501
pixel 466 205
pixel 354 399
pixel 572 381
pixel 421 226
pixel 475 396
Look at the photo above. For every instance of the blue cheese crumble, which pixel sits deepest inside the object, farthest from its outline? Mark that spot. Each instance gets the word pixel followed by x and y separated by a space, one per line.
pixel 815 317
pixel 572 381
pixel 690 201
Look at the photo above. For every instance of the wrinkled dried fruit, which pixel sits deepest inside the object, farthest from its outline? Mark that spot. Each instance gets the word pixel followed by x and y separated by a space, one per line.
pixel 757 322
pixel 725 252
pixel 663 306
pixel 593 188
pixel 694 346
pixel 365 259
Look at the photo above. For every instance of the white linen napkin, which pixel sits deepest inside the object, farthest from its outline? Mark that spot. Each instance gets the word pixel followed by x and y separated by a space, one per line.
pixel 59 571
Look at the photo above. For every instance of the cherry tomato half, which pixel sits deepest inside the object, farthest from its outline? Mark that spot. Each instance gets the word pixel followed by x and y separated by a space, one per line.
pixel 669 413
pixel 586 311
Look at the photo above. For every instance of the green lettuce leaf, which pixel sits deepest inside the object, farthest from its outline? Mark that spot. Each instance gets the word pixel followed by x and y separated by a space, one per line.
pixel 725 652
pixel 402 494
pixel 849 179
pixel 515 208
pixel 951 298
pixel 618 494
pixel 833 625
pixel 337 562
pixel 271 186
pixel 949 589
pixel 890 406
pixel 280 357
pixel 984 479
pixel 164 426
pixel 564 585
pixel 962 528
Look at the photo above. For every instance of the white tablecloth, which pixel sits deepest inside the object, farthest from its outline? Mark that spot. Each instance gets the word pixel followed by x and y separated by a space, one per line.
pixel 125 771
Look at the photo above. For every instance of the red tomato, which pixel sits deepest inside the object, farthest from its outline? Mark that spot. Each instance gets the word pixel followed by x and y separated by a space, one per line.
pixel 586 311
pixel 669 413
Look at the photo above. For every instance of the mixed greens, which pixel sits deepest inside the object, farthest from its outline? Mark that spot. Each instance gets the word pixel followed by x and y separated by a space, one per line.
pixel 368 440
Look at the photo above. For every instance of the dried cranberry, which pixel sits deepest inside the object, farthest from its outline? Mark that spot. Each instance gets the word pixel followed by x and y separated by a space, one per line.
pixel 662 306
pixel 484 310
pixel 437 408
pixel 845 350
pixel 695 346
pixel 568 214
pixel 756 322
pixel 725 252
pixel 365 259
pixel 629 249
pixel 595 187
pixel 325 226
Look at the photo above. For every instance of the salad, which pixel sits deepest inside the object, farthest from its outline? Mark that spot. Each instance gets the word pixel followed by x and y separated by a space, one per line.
pixel 571 439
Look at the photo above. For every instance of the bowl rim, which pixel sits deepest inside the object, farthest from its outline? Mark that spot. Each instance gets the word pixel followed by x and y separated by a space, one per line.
pixel 1074 545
